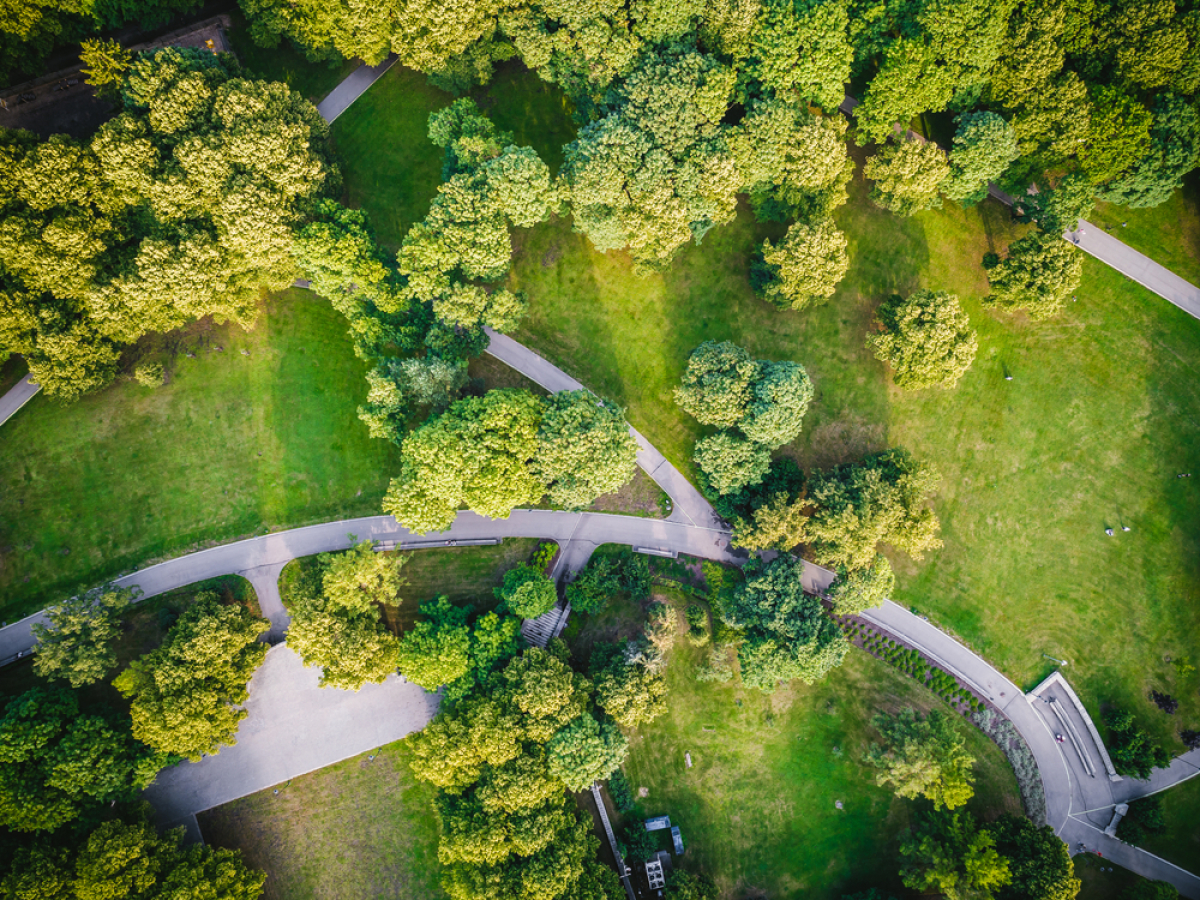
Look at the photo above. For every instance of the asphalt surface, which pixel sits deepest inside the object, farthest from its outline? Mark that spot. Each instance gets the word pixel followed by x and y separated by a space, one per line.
pixel 1145 271
pixel 16 397
pixel 351 88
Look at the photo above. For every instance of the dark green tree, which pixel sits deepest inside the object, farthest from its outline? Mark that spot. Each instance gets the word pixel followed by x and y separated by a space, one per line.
pixel 1038 860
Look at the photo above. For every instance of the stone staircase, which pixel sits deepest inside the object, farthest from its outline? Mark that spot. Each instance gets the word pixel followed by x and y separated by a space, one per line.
pixel 539 632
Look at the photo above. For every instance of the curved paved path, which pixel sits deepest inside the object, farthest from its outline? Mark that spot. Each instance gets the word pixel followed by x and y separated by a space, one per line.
pixel 17 396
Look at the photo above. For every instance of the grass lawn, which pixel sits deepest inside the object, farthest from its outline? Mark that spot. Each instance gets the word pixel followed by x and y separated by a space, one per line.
pixel 1181 809
pixel 353 830
pixel 260 434
pixel 1168 234
pixel 1100 884
pixel 1101 414
pixel 757 808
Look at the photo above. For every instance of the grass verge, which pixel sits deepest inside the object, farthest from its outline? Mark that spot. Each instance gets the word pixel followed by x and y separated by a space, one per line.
pixel 1181 842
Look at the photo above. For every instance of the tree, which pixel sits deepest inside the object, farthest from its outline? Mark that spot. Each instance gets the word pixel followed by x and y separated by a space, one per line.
pixel 595 585
pixel 118 860
pixel 350 648
pixel 787 634
pixel 1059 208
pixel 585 449
pixel 1144 818
pixel 717 384
pixel 632 694
pixel 910 82
pixel 802 48
pixel 402 388
pixel 546 693
pixel 437 650
pixel 1145 889
pixel 181 206
pixel 1174 151
pixel 689 886
pixel 1134 752
pixel 730 462
pixel 950 855
pixel 1038 860
pixel 984 147
pixel 779 523
pixel 879 500
pixel 585 751
pixel 184 696
pixel 495 640
pixel 906 175
pixel 927 340
pixel 476 455
pixel 638 843
pixel 1038 274
pixel 360 579
pixel 656 171
pixel 805 268
pixel 56 762
pixel 105 63
pixel 1119 135
pixel 527 592
pixel 922 757
pixel 78 645
pixel 855 592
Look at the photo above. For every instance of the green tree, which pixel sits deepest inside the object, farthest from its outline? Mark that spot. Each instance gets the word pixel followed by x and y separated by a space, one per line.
pixel 805 268
pixel 949 854
pixel 599 581
pixel 105 63
pixel 639 844
pixel 878 500
pixel 689 886
pixel 1174 151
pixel 585 449
pixel 780 523
pixel 1144 818
pixel 984 147
pixel 1038 860
pixel 927 340
pixel 437 650
pixel 1145 889
pixel 922 757
pixel 527 592
pixel 1040 271
pixel 360 579
pixel 656 171
pixel 1059 208
pixel 730 462
pixel 854 592
pixel 477 455
pixel 495 640
pixel 185 696
pixel 787 634
pixel 906 174
pixel 350 648
pixel 911 81
pixel 418 387
pixel 632 694
pixel 56 762
pixel 802 49
pixel 79 643
pixel 1119 135
pixel 717 385
pixel 1134 752
pixel 585 751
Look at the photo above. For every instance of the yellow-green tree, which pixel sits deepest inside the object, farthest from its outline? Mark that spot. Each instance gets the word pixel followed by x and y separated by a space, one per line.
pixel 927 340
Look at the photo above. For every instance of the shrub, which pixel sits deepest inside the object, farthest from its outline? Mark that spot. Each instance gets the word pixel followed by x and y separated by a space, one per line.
pixel 1191 739
pixel 527 592
pixel 149 374
pixel 1165 702
pixel 1133 751
pixel 1144 818
pixel 544 553
pixel 697 619
pixel 619 790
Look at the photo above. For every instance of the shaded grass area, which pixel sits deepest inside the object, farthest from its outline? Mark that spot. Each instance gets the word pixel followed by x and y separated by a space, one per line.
pixel 286 63
pixel 144 628
pixel 1099 884
pixel 1181 811
pixel 261 433
pixel 757 808
pixel 356 829
pixel 466 575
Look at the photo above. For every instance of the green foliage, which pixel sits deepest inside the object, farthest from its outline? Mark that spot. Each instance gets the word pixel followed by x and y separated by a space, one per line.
pixel 856 591
pixel 1173 152
pixel 181 206
pixel 878 500
pixel 128 860
pixel 1059 208
pixel 787 634
pixel 78 645
pixel 1133 751
pixel 1038 860
pixel 185 695
pixel 801 49
pixel 1040 271
pixel 56 762
pixel 984 147
pixel 105 63
pixel 585 751
pixel 910 81
pixel 1145 889
pixel 779 523
pixel 717 384
pixel 437 650
pixel 949 854
pixel 730 462
pixel 527 592
pixel 907 174
pixel 683 885
pixel 630 691
pixel 596 585
pixel 1144 818
pixel 639 843
pixel 360 579
pixel 620 792
pixel 350 648
pixel 401 389
pixel 149 374
pixel 585 449
pixel 1119 135
pixel 656 171
pixel 927 340
pixel 805 268
pixel 922 757
pixel 697 620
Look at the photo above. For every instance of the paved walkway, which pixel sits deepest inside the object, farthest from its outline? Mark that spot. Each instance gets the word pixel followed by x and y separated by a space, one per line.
pixel 16 397
pixel 293 727
pixel 1103 246
pixel 351 88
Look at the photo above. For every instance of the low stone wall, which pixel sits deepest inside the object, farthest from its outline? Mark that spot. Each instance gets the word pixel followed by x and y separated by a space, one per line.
pixel 1056 679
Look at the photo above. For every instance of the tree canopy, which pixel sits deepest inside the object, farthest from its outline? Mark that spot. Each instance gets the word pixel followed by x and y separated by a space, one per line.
pixel 185 696
pixel 805 268
pixel 856 591
pixel 927 340
pixel 79 643
pixel 1038 861
pixel 906 175
pixel 1036 277
pixel 950 854
pixel 527 591
pixel 923 757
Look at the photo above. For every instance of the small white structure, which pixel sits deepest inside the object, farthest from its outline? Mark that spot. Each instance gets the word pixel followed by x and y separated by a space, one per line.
pixel 654 875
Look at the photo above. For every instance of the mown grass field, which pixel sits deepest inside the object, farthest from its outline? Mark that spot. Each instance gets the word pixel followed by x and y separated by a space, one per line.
pixel 1181 810
pixel 757 809
pixel 262 433
pixel 356 829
